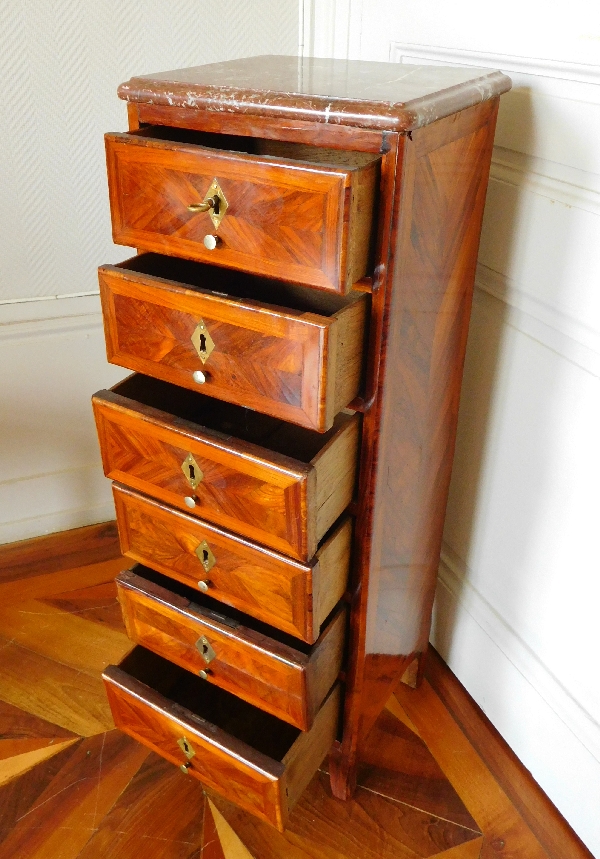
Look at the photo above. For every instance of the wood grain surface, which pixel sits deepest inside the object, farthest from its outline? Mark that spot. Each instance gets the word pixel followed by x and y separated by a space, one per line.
pixel 409 430
pixel 256 663
pixel 106 797
pixel 283 489
pixel 288 594
pixel 278 349
pixel 306 224
pixel 247 756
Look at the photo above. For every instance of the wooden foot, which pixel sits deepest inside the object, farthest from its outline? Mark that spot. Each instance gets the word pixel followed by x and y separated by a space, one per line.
pixel 342 773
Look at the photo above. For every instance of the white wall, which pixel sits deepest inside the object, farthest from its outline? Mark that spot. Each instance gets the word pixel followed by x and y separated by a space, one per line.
pixel 60 65
pixel 519 587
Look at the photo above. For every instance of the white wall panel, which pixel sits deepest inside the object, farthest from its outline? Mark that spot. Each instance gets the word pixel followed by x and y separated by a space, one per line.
pixel 50 473
pixel 516 611
pixel 60 65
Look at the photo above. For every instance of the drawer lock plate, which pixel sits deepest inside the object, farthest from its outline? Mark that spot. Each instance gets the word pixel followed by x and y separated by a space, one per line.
pixel 205 556
pixel 203 342
pixel 214 203
pixel 186 748
pixel 192 471
pixel 205 650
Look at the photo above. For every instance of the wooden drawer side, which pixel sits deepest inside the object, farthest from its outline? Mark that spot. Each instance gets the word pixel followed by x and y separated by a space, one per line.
pixel 283 219
pixel 240 774
pixel 268 586
pixel 288 681
pixel 249 757
pixel 300 367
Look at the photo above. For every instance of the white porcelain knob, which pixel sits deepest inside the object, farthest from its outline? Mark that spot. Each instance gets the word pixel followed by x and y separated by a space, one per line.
pixel 199 377
pixel 210 242
pixel 203 674
pixel 189 501
pixel 203 586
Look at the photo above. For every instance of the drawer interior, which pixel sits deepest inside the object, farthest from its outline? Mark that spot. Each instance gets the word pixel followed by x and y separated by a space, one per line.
pixel 238 285
pixel 208 703
pixel 228 420
pixel 232 618
pixel 279 149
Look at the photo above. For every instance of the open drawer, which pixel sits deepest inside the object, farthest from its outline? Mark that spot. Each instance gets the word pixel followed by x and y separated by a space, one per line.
pixel 248 756
pixel 285 210
pixel 293 596
pixel 285 350
pixel 277 484
pixel 256 662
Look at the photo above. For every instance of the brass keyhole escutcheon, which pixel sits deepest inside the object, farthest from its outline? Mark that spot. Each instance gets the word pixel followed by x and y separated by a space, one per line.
pixel 203 342
pixel 192 471
pixel 205 649
pixel 205 556
pixel 186 748
pixel 214 203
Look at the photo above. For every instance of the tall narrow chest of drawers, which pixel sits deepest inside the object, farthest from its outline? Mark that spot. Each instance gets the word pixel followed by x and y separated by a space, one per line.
pixel 296 318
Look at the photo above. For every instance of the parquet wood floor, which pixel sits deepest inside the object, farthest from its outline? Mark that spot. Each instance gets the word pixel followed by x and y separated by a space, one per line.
pixel 73 787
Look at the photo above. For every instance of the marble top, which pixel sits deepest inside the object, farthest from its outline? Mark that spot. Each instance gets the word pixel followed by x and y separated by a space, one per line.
pixel 390 96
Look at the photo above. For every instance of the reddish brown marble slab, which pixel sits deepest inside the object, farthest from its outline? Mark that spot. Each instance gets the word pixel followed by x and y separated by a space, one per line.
pixel 341 92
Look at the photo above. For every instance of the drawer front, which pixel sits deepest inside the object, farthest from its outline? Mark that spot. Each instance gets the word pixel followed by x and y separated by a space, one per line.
pixel 289 595
pixel 307 224
pixel 277 677
pixel 281 503
pixel 299 366
pixel 264 784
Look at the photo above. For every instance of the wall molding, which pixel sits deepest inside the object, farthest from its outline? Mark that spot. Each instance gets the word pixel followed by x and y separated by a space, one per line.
pixel 454 576
pixel 63 325
pixel 56 501
pixel 557 69
pixel 554 329
pixel 28 312
pixel 513 168
pixel 52 523
pixel 333 29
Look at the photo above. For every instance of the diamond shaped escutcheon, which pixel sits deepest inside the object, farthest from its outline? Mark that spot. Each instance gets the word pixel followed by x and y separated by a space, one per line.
pixel 192 471
pixel 203 342
pixel 205 556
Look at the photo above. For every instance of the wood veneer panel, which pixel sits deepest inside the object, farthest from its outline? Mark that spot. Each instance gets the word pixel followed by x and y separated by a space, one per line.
pixel 286 501
pixel 278 349
pixel 55 552
pixel 409 432
pixel 70 698
pixel 270 671
pixel 67 812
pixel 275 589
pixel 42 585
pixel 66 638
pixel 283 220
pixel 502 825
pixel 160 813
pixel 18 796
pixel 366 827
pixel 97 604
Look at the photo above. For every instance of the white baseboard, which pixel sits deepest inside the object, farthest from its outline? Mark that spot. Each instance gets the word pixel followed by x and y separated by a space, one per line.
pixel 52 523
pixel 546 728
pixel 42 504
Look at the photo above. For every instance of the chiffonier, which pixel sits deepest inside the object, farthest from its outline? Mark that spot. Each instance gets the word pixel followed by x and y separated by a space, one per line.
pixel 296 316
